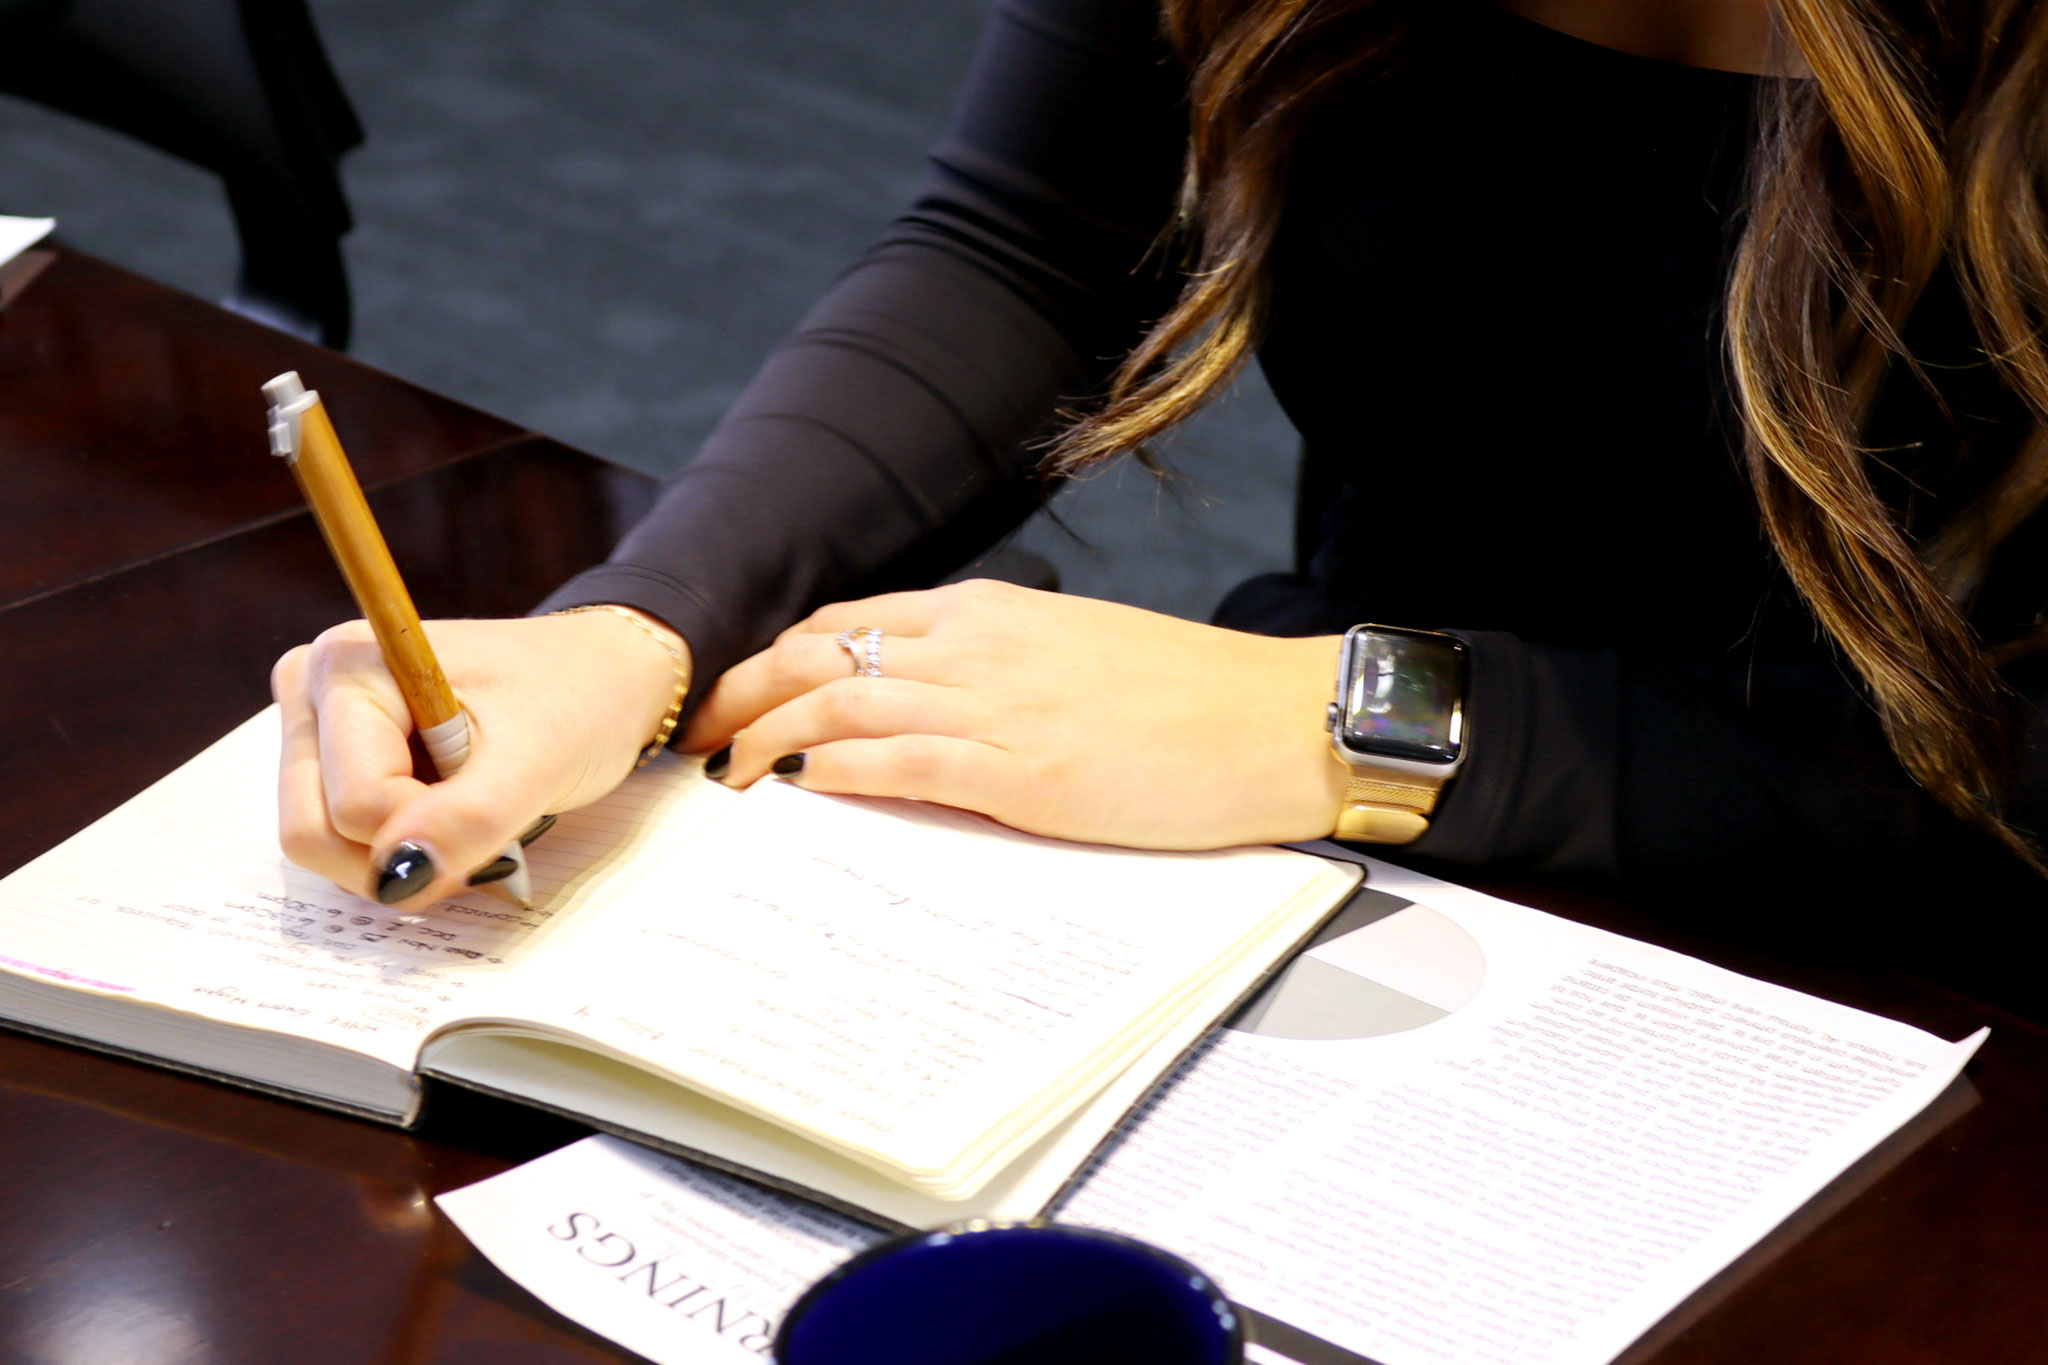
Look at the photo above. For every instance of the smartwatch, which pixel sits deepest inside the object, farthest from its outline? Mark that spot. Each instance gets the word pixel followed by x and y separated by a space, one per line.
pixel 1399 724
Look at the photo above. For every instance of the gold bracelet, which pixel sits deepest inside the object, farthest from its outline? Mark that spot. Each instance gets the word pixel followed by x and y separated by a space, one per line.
pixel 675 704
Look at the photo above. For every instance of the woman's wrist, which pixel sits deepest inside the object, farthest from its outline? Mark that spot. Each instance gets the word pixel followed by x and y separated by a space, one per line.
pixel 1269 741
pixel 660 659
pixel 1320 776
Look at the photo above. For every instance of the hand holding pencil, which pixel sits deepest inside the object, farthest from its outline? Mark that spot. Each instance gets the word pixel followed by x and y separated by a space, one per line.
pixel 554 709
pixel 303 436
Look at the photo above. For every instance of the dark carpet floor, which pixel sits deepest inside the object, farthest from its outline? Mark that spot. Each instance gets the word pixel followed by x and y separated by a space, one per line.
pixel 594 218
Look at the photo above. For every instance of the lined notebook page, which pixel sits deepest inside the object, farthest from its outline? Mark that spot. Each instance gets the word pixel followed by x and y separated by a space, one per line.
pixel 181 898
pixel 906 976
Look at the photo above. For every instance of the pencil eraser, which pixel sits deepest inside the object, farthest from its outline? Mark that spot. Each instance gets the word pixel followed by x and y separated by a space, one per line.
pixel 284 388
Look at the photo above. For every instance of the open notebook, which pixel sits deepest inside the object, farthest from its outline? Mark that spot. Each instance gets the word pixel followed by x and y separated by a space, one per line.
pixel 901 1008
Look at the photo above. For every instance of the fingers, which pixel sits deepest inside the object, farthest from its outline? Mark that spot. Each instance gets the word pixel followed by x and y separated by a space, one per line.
pixel 846 708
pixel 365 756
pixel 931 611
pixel 798 663
pixel 437 835
pixel 898 613
pixel 942 768
pixel 344 762
pixel 930 635
pixel 350 805
pixel 304 831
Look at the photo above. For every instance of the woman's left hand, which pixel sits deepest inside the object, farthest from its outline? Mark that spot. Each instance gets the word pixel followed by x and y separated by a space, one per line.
pixel 1059 715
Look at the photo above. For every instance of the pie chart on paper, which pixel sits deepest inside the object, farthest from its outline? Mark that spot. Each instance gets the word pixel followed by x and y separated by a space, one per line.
pixel 1382 965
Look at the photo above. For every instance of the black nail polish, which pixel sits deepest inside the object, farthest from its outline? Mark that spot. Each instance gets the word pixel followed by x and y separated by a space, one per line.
pixel 716 766
pixel 496 870
pixel 789 765
pixel 536 829
pixel 406 873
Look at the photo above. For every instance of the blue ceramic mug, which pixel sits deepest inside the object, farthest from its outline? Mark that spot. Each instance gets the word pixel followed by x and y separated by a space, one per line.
pixel 1012 1294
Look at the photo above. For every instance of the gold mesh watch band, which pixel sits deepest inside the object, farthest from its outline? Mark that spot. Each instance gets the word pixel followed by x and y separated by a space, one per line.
pixel 1376 811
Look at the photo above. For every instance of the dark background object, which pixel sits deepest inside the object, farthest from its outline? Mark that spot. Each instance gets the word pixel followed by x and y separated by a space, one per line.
pixel 595 219
pixel 240 88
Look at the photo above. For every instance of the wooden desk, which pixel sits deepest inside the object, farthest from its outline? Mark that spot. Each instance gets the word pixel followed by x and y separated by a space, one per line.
pixel 156 562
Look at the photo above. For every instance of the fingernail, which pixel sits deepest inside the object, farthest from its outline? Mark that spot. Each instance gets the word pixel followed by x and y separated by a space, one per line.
pixel 405 873
pixel 534 831
pixel 715 766
pixel 496 870
pixel 789 765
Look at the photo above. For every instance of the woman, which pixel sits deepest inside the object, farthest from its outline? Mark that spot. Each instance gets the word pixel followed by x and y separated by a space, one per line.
pixel 1681 364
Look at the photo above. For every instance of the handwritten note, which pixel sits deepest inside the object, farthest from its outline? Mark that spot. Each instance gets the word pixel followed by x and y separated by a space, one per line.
pixel 922 993
pixel 184 901
pixel 909 1007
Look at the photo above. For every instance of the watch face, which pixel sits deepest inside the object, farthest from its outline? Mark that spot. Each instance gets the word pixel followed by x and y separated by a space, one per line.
pixel 1404 694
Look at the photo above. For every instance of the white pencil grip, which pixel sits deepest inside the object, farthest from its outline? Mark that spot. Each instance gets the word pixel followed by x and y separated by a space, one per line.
pixel 448 744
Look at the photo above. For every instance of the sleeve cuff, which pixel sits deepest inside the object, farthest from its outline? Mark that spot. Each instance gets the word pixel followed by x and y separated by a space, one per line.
pixel 1538 788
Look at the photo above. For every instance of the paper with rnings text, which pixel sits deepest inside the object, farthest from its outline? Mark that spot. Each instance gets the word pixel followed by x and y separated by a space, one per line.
pixel 685 1266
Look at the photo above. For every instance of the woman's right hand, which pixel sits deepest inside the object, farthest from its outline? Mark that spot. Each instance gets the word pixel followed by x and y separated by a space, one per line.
pixel 559 708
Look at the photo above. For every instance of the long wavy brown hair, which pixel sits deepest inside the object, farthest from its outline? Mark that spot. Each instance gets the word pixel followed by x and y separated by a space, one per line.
pixel 1920 143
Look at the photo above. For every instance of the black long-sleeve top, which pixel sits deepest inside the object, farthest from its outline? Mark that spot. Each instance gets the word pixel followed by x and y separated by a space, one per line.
pixel 1495 322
